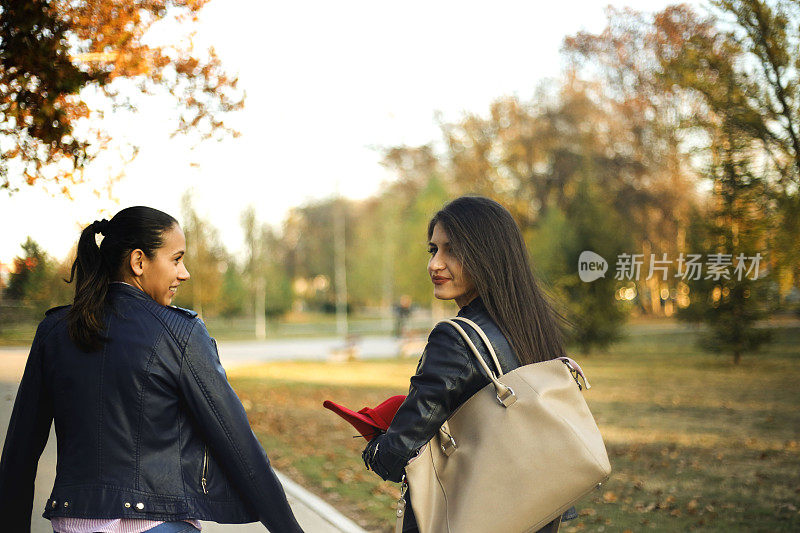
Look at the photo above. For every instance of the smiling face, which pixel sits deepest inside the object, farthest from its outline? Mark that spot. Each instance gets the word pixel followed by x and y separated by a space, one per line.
pixel 160 275
pixel 450 282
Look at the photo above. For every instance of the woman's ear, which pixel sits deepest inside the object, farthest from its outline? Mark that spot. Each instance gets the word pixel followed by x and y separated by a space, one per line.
pixel 137 262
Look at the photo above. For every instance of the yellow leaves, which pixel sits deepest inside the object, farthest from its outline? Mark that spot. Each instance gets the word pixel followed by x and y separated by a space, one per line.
pixel 105 44
pixel 186 66
pixel 609 497
pixel 667 476
pixel 642 508
pixel 91 57
pixel 386 374
pixel 386 490
pixel 345 476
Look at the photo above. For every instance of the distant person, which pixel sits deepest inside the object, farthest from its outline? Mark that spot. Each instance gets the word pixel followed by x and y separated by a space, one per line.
pixel 151 437
pixel 478 259
pixel 401 313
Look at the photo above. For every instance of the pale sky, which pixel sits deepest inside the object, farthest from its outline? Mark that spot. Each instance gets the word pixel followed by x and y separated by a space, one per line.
pixel 327 83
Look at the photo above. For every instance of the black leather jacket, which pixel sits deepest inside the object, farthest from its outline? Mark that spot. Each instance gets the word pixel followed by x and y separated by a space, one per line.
pixel 447 376
pixel 147 427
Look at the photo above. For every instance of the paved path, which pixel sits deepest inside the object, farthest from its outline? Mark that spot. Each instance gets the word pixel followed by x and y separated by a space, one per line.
pixel 300 349
pixel 318 349
pixel 314 515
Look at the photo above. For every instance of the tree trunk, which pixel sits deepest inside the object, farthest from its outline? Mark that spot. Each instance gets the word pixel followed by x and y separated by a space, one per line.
pixel 260 309
pixel 340 272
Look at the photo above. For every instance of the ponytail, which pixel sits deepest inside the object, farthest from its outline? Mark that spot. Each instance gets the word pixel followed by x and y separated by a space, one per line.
pixel 95 267
pixel 91 275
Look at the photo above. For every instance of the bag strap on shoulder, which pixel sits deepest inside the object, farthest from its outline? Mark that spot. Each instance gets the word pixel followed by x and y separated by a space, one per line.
pixel 486 342
pixel 505 395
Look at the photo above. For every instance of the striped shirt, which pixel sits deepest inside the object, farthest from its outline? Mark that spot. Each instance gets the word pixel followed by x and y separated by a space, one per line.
pixel 107 525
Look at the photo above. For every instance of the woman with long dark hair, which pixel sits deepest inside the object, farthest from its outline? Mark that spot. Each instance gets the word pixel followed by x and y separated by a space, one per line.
pixel 479 260
pixel 151 437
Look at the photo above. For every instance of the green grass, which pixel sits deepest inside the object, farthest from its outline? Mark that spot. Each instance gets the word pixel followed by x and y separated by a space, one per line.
pixel 696 443
pixel 315 447
pixel 243 328
pixel 17 334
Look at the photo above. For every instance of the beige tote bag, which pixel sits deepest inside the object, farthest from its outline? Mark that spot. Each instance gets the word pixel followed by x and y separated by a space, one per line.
pixel 513 457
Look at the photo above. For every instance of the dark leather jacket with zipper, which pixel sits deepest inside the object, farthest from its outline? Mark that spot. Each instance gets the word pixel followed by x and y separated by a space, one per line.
pixel 447 375
pixel 147 427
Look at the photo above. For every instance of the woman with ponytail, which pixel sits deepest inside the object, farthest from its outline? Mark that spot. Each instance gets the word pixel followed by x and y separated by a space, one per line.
pixel 151 436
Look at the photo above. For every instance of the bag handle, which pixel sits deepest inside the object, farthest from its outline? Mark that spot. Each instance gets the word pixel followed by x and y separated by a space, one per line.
pixel 576 370
pixel 486 341
pixel 505 395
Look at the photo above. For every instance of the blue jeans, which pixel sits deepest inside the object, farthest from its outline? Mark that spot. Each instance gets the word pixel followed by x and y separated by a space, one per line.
pixel 173 527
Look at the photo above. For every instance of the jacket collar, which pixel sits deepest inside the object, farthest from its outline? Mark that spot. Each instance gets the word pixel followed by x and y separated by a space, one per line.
pixel 474 307
pixel 122 288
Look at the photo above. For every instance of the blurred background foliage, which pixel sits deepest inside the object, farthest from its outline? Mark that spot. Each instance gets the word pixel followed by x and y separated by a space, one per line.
pixel 672 133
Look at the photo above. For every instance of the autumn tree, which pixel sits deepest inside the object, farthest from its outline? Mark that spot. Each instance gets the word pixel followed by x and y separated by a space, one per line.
pixel 730 300
pixel 38 280
pixel 731 96
pixel 308 231
pixel 55 52
pixel 370 260
pixel 422 188
pixel 206 260
pixel 745 65
pixel 691 72
pixel 539 158
pixel 385 241
pixel 652 138
pixel 411 243
pixel 268 285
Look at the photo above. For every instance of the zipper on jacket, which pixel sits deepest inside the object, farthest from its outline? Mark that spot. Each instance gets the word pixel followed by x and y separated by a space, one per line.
pixel 205 470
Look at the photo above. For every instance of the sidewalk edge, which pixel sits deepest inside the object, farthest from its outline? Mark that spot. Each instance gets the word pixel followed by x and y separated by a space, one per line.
pixel 319 506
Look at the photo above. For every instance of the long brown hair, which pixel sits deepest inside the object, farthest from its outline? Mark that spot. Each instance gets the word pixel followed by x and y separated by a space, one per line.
pixel 95 266
pixel 486 239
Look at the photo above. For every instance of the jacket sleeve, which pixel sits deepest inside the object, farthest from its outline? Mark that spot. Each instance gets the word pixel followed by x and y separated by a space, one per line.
pixel 445 375
pixel 25 440
pixel 223 421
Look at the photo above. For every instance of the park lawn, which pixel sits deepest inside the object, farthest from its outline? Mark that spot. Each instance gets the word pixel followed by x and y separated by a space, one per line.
pixel 695 442
pixel 314 325
pixel 20 334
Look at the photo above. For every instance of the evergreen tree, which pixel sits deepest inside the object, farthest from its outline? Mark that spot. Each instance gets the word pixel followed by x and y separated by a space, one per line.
pixel 37 281
pixel 733 296
pixel 592 224
pixel 233 293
